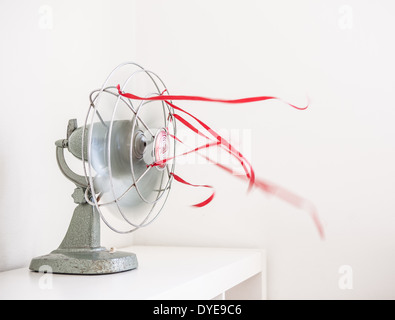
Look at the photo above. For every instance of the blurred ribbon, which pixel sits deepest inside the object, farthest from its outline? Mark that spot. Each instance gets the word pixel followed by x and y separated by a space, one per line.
pixel 218 140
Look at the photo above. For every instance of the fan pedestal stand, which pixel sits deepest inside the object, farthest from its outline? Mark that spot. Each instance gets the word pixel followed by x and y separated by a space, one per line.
pixel 80 251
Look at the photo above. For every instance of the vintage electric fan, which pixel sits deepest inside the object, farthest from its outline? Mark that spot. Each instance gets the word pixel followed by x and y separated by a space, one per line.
pixel 118 141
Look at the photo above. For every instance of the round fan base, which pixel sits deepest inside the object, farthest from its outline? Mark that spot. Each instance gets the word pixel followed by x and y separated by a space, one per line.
pixel 87 262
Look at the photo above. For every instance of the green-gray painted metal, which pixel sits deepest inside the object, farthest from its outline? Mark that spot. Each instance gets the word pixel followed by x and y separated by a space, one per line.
pixel 80 251
pixel 90 261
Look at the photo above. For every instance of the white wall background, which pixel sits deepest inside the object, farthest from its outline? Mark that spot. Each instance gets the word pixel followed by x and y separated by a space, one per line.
pixel 339 153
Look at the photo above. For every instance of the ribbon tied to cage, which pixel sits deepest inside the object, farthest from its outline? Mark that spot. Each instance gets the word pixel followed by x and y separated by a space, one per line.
pixel 214 139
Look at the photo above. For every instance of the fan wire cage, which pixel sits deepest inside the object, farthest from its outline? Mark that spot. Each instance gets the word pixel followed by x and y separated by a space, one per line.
pixel 95 197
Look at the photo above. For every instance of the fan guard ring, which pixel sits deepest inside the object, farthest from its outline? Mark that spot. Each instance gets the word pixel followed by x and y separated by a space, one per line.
pixel 91 195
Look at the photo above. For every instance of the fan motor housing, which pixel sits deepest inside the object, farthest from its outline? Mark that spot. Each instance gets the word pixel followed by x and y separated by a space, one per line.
pixel 75 143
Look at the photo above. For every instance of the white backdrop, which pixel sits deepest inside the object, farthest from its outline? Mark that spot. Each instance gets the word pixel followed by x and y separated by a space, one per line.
pixel 339 153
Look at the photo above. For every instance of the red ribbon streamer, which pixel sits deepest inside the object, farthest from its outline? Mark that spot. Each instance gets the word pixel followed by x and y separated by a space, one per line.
pixel 228 147
pixel 205 99
pixel 283 194
pixel 277 191
pixel 221 141
pixel 163 161
pixel 203 203
pixel 265 186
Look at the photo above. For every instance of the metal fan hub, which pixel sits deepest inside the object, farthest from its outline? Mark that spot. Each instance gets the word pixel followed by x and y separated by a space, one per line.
pixel 161 147
pixel 139 144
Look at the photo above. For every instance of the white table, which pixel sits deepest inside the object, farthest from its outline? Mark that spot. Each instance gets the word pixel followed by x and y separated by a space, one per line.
pixel 164 273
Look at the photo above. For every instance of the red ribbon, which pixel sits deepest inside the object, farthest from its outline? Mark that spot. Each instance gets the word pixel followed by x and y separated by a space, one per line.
pixel 284 194
pixel 265 186
pixel 275 190
pixel 203 203
pixel 163 161
pixel 220 141
pixel 198 98
pixel 223 142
